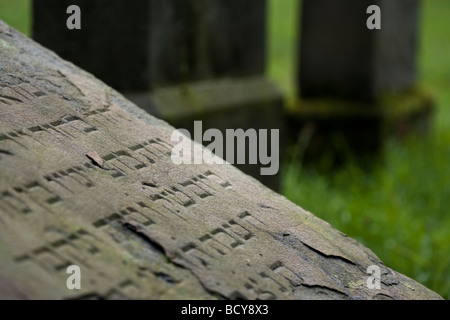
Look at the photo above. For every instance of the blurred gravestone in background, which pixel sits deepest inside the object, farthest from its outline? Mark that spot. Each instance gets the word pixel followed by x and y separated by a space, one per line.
pixel 356 83
pixel 179 60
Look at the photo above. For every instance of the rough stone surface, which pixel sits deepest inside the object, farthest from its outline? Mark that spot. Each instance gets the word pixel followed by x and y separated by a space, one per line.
pixel 86 178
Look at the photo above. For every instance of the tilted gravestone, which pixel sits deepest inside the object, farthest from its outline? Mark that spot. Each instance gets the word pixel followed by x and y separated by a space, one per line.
pixel 182 60
pixel 86 179
pixel 357 81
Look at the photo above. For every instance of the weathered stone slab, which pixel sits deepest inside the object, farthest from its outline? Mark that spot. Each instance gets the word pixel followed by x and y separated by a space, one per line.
pixel 86 178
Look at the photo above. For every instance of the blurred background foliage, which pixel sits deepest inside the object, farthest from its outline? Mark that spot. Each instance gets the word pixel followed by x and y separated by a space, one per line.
pixel 17 13
pixel 398 209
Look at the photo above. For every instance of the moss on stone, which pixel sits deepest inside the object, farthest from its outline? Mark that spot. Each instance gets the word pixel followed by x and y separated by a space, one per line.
pixel 387 106
pixel 5 44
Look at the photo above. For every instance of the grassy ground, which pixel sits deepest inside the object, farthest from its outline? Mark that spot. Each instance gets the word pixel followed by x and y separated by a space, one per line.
pixel 400 210
pixel 283 42
pixel 17 13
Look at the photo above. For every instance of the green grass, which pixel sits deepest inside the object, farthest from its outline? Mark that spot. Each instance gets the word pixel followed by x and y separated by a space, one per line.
pixel 400 209
pixel 17 13
pixel 282 43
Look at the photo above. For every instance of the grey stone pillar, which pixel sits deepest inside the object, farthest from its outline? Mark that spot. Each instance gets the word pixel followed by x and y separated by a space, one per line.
pixel 112 43
pixel 202 39
pixel 356 80
pixel 181 60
